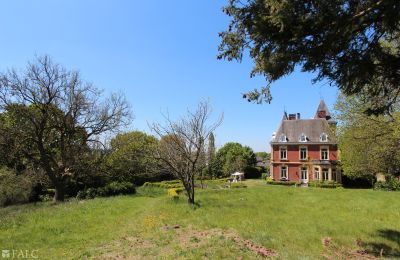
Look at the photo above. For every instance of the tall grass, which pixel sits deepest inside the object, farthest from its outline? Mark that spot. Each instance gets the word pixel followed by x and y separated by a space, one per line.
pixel 292 221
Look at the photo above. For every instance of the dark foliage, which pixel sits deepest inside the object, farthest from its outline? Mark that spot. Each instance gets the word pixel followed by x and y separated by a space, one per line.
pixel 111 189
pixel 351 44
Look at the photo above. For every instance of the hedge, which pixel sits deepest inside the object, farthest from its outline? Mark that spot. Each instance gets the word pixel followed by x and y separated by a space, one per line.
pixel 286 183
pixel 391 184
pixel 238 185
pixel 111 189
pixel 164 184
pixel 318 184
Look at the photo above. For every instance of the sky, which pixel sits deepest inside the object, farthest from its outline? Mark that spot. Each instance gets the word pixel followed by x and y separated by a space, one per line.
pixel 161 55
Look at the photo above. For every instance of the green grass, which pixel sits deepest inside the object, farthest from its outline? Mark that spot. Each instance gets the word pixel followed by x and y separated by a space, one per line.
pixel 292 221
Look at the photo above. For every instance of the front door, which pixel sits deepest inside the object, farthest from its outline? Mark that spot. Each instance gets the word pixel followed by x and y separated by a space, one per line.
pixel 304 175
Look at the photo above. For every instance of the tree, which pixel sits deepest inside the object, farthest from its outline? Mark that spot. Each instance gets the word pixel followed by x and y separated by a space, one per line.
pixel 368 144
pixel 59 114
pixel 182 145
pixel 264 155
pixel 130 157
pixel 210 153
pixel 354 45
pixel 233 157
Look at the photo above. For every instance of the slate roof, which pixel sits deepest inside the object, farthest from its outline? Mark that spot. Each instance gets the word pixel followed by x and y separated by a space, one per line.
pixel 323 107
pixel 312 128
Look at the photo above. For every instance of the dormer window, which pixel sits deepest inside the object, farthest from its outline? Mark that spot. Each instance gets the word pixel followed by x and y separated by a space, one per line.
pixel 303 138
pixel 323 137
pixel 283 138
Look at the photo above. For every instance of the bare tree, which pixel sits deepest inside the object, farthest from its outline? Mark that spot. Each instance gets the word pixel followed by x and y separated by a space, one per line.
pixel 61 115
pixel 183 144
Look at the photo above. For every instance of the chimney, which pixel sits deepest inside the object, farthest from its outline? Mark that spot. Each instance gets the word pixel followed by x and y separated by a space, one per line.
pixel 292 116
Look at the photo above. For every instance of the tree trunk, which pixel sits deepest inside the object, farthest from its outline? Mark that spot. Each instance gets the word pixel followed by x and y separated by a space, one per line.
pixel 59 194
pixel 191 193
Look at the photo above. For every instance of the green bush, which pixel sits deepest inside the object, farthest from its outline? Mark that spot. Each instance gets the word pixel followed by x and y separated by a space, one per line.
pixel 326 184
pixel 238 185
pixel 173 193
pixel 164 184
pixel 14 188
pixel 391 184
pixel 286 183
pixel 111 189
pixel 264 175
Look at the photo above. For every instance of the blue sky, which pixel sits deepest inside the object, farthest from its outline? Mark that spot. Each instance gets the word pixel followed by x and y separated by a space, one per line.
pixel 161 54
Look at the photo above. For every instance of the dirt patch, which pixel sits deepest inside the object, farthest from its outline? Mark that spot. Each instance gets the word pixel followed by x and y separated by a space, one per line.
pixel 190 238
pixel 333 251
pixel 137 242
pixel 179 239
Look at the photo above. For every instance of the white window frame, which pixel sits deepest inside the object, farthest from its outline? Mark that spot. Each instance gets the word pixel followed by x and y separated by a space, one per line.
pixel 303 147
pixel 323 138
pixel 327 153
pixel 282 138
pixel 316 173
pixel 280 152
pixel 286 172
pixel 302 170
pixel 327 174
pixel 303 138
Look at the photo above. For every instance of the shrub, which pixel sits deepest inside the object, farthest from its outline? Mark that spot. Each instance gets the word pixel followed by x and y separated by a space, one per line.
pixel 173 193
pixel 164 184
pixel 391 184
pixel 265 176
pixel 286 183
pixel 251 172
pixel 14 188
pixel 238 185
pixel 111 189
pixel 326 184
pixel 81 195
pixel 119 188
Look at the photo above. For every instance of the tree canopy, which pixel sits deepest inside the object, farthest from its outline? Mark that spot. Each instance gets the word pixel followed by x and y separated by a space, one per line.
pixel 58 115
pixel 130 157
pixel 233 157
pixel 369 144
pixel 352 44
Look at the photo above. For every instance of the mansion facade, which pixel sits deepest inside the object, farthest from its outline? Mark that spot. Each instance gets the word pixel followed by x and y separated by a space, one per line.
pixel 303 150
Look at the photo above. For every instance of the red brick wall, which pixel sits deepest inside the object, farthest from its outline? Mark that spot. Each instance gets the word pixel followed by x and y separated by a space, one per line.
pixel 313 152
pixel 294 172
pixel 293 156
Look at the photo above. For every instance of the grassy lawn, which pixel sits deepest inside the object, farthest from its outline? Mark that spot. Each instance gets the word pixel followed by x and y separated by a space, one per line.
pixel 294 222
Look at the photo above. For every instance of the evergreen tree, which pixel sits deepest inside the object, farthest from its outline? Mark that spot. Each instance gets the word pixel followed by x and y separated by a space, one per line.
pixel 210 153
pixel 344 41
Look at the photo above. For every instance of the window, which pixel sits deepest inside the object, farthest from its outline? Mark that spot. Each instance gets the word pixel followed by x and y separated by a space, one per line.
pixel 304 175
pixel 282 138
pixel 325 174
pixel 323 137
pixel 324 154
pixel 334 175
pixel 303 153
pixel 283 153
pixel 284 173
pixel 303 138
pixel 316 173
